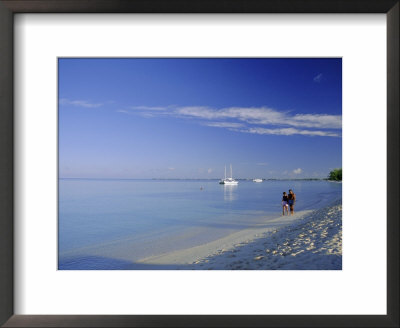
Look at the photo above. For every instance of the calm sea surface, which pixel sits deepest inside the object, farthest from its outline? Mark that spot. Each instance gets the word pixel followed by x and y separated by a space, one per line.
pixel 108 224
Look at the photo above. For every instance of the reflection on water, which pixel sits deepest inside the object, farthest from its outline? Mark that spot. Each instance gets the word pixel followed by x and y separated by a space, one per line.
pixel 230 193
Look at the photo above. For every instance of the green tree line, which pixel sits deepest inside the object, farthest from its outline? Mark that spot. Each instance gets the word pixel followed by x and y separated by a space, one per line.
pixel 335 175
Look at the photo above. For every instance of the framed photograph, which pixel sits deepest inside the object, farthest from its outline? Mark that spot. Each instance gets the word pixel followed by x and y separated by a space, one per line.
pixel 168 201
pixel 181 163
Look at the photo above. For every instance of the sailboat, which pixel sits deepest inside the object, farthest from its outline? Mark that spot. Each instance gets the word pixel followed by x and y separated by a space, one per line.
pixel 228 181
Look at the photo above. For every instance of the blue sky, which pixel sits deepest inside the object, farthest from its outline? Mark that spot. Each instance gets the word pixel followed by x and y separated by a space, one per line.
pixel 188 118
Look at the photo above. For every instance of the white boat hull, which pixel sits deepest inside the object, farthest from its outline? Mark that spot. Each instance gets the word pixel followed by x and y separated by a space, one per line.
pixel 230 182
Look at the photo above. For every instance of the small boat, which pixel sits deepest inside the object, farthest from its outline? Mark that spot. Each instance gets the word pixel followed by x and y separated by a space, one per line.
pixel 228 181
pixel 257 180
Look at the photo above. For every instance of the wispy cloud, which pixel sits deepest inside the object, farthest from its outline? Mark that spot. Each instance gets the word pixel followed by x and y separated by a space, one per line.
pixel 145 114
pixel 297 171
pixel 318 78
pixel 263 116
pixel 317 121
pixel 225 124
pixel 262 164
pixel 257 120
pixel 79 103
pixel 250 115
pixel 209 170
pixel 291 131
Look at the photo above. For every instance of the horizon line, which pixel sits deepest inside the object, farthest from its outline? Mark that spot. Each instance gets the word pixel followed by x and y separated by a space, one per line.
pixel 87 178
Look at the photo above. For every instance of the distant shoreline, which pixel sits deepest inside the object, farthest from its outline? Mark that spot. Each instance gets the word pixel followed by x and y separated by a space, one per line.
pixel 197 179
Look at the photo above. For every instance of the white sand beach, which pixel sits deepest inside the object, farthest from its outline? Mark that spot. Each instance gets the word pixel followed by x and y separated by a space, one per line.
pixel 308 240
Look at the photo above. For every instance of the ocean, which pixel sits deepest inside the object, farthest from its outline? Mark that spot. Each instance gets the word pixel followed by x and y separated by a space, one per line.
pixel 110 224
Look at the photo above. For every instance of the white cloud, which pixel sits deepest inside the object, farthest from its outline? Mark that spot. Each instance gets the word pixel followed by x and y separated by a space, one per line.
pixel 171 169
pixel 318 78
pixel 257 120
pixel 79 103
pixel 224 124
pixel 297 171
pixel 317 121
pixel 262 164
pixel 250 115
pixel 142 114
pixel 146 111
pixel 291 131
pixel 263 116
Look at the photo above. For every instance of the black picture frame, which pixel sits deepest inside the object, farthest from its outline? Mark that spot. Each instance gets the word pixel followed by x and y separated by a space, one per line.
pixel 10 7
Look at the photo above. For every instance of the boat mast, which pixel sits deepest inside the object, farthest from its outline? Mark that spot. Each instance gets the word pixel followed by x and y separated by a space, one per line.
pixel 225 172
pixel 231 172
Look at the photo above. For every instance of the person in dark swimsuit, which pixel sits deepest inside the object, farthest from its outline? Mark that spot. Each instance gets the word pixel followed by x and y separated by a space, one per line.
pixel 291 201
pixel 285 204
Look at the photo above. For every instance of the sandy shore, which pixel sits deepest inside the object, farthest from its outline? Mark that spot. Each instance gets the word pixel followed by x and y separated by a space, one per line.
pixel 308 240
pixel 313 243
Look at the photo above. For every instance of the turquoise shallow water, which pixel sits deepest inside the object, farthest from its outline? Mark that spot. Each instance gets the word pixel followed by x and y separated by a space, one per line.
pixel 108 224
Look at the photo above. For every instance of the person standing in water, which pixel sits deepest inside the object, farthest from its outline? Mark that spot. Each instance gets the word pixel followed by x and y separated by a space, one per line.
pixel 285 204
pixel 291 201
